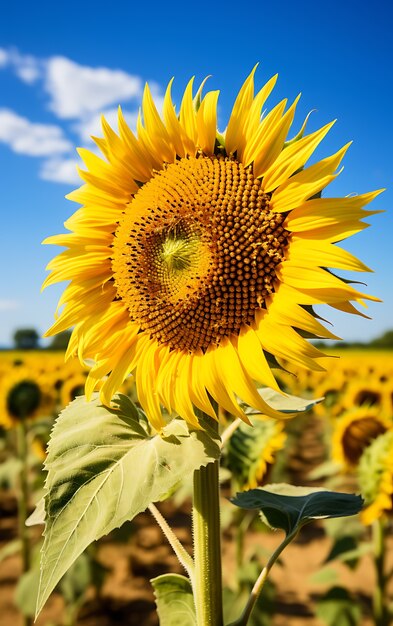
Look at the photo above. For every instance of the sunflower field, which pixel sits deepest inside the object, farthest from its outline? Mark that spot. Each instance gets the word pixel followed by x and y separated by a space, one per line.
pixel 334 573
pixel 195 406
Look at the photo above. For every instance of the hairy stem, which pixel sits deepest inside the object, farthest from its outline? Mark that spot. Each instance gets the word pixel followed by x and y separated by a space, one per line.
pixel 23 503
pixel 177 547
pixel 207 546
pixel 257 588
pixel 379 597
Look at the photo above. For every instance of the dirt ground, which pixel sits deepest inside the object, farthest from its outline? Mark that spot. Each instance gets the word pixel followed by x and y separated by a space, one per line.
pixel 126 597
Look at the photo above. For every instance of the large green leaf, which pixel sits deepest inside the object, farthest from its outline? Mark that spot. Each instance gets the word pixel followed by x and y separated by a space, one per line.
pixel 288 507
pixel 174 599
pixel 103 469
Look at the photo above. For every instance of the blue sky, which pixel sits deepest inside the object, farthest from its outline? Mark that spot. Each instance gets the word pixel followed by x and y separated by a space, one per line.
pixel 59 73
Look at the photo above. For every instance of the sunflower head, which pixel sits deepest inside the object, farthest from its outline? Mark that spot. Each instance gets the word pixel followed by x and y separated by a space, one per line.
pixel 353 433
pixel 22 396
pixel 196 257
pixel 375 476
pixel 251 452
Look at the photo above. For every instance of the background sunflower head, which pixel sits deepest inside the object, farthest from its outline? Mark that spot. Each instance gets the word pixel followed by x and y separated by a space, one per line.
pixel 354 431
pixel 375 476
pixel 23 396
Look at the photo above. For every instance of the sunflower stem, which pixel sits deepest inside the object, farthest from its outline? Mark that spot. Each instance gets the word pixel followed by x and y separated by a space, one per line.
pixel 228 432
pixel 207 546
pixel 379 598
pixel 258 586
pixel 181 553
pixel 23 502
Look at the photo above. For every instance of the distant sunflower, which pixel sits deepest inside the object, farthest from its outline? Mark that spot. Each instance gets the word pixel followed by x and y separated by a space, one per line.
pixel 354 431
pixel 375 476
pixel 23 396
pixel 251 452
pixel 197 256
pixel 369 392
pixel 72 387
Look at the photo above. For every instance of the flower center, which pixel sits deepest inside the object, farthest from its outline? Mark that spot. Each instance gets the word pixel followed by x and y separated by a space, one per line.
pixel 359 435
pixel 23 399
pixel 196 252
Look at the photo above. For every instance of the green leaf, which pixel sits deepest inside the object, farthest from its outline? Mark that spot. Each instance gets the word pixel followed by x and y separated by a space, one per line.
pixel 75 582
pixel 38 515
pixel 338 608
pixel 288 507
pixel 174 599
pixel 103 469
pixel 285 403
pixel 27 591
pixel 324 576
pixel 347 550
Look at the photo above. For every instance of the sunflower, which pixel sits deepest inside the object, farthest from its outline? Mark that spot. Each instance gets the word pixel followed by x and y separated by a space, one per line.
pixel 23 395
pixel 72 387
pixel 375 476
pixel 369 392
pixel 196 257
pixel 332 390
pixel 251 452
pixel 354 431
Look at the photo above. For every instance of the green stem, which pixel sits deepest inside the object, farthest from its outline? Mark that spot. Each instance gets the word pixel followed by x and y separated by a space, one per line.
pixel 23 503
pixel 177 547
pixel 379 598
pixel 256 590
pixel 228 432
pixel 207 546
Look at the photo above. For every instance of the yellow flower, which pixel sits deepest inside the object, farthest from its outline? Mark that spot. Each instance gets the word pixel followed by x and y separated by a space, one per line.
pixel 23 395
pixel 354 431
pixel 251 451
pixel 368 392
pixel 331 389
pixel 72 387
pixel 197 256
pixel 375 476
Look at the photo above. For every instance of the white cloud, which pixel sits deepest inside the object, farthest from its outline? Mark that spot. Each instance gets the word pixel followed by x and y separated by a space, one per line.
pixel 25 66
pixel 60 170
pixel 32 139
pixel 3 57
pixel 92 125
pixel 9 305
pixel 77 90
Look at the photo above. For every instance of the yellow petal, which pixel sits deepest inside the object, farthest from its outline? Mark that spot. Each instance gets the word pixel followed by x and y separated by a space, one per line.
pixel 253 359
pixel 188 118
pixel 274 143
pixel 235 133
pixel 306 183
pixel 207 122
pixel 174 128
pixel 292 159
